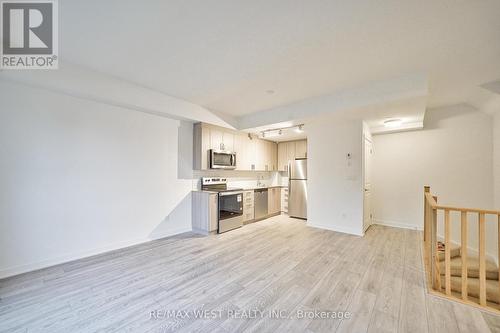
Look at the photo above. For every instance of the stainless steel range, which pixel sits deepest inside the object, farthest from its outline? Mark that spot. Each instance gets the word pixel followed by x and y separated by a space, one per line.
pixel 230 202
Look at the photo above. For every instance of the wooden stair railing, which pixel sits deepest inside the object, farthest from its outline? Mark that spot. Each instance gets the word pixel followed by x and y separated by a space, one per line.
pixel 432 258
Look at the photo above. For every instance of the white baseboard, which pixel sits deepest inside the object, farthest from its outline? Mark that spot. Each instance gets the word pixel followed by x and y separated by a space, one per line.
pixel 344 230
pixel 395 224
pixel 16 270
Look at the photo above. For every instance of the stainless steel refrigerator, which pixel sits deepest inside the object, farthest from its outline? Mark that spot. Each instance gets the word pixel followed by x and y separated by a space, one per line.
pixel 297 189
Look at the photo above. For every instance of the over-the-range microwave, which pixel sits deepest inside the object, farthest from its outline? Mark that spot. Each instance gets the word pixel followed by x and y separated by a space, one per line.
pixel 222 159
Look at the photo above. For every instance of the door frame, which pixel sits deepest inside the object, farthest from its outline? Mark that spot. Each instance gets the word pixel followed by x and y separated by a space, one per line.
pixel 363 185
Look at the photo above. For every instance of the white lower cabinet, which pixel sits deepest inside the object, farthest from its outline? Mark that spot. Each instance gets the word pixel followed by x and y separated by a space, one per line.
pixel 248 206
pixel 284 200
pixel 273 200
pixel 205 206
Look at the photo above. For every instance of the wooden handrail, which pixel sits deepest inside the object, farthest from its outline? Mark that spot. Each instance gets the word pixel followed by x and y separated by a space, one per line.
pixel 469 210
pixel 433 258
pixel 434 205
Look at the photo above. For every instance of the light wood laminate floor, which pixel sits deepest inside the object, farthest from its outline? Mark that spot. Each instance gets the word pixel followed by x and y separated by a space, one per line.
pixel 277 264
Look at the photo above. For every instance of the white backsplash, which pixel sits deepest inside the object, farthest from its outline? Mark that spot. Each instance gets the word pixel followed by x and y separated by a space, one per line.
pixel 242 179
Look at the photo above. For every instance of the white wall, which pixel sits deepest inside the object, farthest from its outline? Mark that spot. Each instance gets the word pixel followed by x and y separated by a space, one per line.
pixel 80 177
pixel 496 159
pixel 335 196
pixel 453 155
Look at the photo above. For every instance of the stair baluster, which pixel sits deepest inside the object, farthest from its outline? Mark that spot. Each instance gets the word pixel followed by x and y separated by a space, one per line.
pixel 482 261
pixel 476 278
pixel 447 254
pixel 463 236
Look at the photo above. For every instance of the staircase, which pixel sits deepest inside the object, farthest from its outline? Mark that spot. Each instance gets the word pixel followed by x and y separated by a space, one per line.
pixel 452 271
pixel 492 281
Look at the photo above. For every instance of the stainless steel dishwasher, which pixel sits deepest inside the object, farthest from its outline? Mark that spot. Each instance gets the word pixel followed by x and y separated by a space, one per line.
pixel 260 201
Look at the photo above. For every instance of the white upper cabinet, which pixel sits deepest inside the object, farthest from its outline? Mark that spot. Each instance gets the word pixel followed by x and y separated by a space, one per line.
pixel 282 157
pixel 260 155
pixel 301 149
pixel 216 139
pixel 228 141
pixel 239 148
pixel 221 140
pixel 266 155
pixel 274 156
pixel 289 151
pixel 201 146
pixel 252 153
pixel 244 148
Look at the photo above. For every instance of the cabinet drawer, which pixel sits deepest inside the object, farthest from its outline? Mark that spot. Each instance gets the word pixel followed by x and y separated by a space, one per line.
pixel 248 208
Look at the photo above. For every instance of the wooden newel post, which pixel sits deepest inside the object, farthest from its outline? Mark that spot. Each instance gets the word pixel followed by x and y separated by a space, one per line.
pixel 427 189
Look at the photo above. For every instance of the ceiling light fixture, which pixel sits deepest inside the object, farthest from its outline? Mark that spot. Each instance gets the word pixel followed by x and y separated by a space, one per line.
pixel 270 92
pixel 279 131
pixel 392 123
pixel 272 134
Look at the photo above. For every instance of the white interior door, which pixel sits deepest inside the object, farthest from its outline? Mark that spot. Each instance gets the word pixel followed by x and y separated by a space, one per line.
pixel 367 205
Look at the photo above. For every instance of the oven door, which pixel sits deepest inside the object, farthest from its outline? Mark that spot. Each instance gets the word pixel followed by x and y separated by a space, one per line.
pixel 221 159
pixel 230 211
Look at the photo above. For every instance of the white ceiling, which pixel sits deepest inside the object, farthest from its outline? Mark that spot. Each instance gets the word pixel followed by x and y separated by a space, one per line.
pixel 410 111
pixel 225 55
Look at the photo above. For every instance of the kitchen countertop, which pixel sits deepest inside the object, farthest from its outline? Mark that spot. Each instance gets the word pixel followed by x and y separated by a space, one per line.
pixel 245 189
pixel 205 191
pixel 261 187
